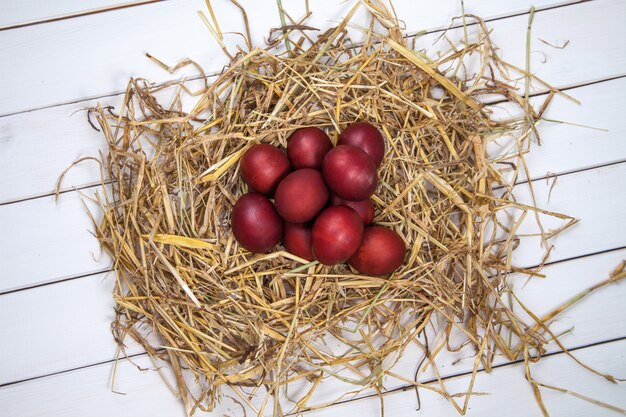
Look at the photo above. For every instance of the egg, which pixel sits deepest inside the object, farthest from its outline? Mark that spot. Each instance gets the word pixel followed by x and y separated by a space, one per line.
pixel 366 137
pixel 297 239
pixel 350 173
pixel 301 195
pixel 263 167
pixel 307 147
pixel 336 235
pixel 255 223
pixel 381 252
pixel 365 208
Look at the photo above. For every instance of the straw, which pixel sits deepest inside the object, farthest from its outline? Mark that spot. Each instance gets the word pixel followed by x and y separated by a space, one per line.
pixel 194 299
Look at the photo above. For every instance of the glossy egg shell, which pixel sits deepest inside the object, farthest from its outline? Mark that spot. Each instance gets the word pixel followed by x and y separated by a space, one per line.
pixel 336 235
pixel 297 239
pixel 365 208
pixel 263 167
pixel 350 173
pixel 255 223
pixel 307 147
pixel 301 195
pixel 381 252
pixel 366 137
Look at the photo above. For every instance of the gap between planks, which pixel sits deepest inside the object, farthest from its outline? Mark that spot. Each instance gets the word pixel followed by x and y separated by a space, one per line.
pixel 521 182
pixel 411 34
pixel 537 94
pixel 566 263
pixel 77 14
pixel 385 393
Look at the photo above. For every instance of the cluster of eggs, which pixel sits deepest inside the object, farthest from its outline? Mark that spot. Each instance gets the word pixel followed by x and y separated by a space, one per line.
pixel 321 207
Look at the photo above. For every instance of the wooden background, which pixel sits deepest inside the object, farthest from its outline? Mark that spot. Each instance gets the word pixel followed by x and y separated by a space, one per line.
pixel 56 349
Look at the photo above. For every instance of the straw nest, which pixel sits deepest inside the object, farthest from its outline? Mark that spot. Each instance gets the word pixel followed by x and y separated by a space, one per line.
pixel 219 315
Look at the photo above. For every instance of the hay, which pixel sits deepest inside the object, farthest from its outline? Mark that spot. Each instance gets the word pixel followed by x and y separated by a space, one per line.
pixel 259 323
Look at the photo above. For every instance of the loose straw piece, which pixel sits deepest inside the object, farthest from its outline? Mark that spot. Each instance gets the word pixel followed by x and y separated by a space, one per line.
pixel 176 275
pixel 224 316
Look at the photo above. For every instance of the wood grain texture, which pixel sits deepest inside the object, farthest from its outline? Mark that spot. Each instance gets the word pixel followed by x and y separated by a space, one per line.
pixel 565 144
pixel 65 325
pixel 17 13
pixel 600 227
pixel 47 242
pixel 28 144
pixel 48 328
pixel 86 392
pixel 26 11
pixel 45 142
pixel 95 55
pixel 51 242
pixel 79 313
pixel 506 391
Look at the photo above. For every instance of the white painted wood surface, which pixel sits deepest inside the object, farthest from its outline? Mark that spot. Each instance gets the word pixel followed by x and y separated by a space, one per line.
pixel 91 327
pixel 29 133
pixel 508 393
pixel 95 55
pixel 67 250
pixel 85 392
pixel 28 12
pixel 56 345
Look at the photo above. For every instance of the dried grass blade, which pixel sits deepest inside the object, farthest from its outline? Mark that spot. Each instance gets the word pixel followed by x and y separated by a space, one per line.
pixel 176 275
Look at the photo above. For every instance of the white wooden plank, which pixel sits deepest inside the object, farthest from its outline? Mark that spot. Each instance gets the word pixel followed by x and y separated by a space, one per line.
pixel 85 392
pixel 96 54
pixel 579 24
pixel 565 146
pixel 58 237
pixel 588 322
pixel 32 155
pixel 28 11
pixel 583 195
pixel 77 392
pixel 47 242
pixel 27 144
pixel 46 329
pixel 509 393
pixel 37 322
pixel 17 13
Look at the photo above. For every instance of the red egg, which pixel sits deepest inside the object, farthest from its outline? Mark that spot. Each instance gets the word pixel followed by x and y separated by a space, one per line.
pixel 297 239
pixel 255 223
pixel 365 208
pixel 381 252
pixel 263 167
pixel 301 195
pixel 350 173
pixel 336 235
pixel 307 147
pixel 366 137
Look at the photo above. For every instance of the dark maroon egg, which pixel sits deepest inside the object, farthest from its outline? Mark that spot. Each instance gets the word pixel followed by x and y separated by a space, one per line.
pixel 365 208
pixel 297 239
pixel 301 195
pixel 350 173
pixel 336 235
pixel 255 223
pixel 366 137
pixel 381 252
pixel 263 167
pixel 307 147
